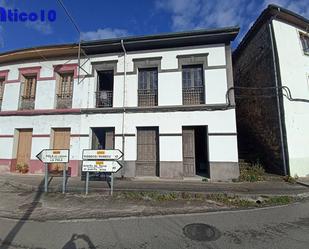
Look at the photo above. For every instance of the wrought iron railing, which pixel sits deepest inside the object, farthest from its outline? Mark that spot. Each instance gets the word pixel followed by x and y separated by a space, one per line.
pixel 64 101
pixel 27 102
pixel 147 97
pixel 193 95
pixel 104 99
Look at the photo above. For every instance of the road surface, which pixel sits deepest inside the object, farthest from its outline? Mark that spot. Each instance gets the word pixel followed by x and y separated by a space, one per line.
pixel 274 227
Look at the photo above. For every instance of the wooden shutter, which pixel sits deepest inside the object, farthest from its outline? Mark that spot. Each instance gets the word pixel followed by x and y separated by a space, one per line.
pixel 147 152
pixel 188 145
pixel 24 146
pixel 1 88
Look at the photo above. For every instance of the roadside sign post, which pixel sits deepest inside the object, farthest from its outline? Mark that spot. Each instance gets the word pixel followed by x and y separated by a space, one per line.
pixel 54 156
pixel 87 182
pixel 46 178
pixel 101 161
pixel 64 178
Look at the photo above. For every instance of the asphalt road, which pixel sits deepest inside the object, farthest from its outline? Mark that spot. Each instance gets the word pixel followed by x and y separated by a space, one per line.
pixel 276 227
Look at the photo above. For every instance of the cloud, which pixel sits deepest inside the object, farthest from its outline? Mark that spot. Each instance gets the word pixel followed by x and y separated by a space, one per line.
pixel 198 14
pixel 104 34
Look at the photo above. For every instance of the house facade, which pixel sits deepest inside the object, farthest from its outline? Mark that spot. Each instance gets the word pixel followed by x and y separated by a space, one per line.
pixel 160 99
pixel 271 73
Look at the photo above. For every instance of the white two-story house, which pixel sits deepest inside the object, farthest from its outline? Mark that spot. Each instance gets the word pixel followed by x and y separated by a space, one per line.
pixel 161 99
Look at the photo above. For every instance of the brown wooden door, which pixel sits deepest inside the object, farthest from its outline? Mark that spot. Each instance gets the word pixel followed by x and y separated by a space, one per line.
pixel 61 141
pixel 147 152
pixel 24 147
pixel 109 139
pixel 188 145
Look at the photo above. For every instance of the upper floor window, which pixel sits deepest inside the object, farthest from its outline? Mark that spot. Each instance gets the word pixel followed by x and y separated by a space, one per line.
pixel 1 90
pixel 148 87
pixel 305 43
pixel 193 85
pixel 65 90
pixel 105 86
pixel 28 92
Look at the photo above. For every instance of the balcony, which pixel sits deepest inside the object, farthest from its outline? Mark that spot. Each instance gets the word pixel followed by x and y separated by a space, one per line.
pixel 104 99
pixel 27 103
pixel 148 97
pixel 64 101
pixel 193 95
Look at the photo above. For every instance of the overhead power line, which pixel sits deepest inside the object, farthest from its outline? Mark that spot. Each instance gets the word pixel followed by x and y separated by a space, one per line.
pixel 70 16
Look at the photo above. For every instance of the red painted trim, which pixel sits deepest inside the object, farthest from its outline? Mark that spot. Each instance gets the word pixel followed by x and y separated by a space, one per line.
pixel 40 135
pixel 47 78
pixel 64 68
pixel 40 112
pixel 12 81
pixel 6 136
pixel 30 70
pixel 4 74
pixel 79 135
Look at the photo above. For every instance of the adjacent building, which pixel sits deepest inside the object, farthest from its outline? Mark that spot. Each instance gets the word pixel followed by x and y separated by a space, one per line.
pixel 161 99
pixel 271 73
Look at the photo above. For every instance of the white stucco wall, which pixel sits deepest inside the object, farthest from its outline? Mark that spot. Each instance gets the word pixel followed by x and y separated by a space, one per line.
pixel 10 100
pixel 294 70
pixel 222 147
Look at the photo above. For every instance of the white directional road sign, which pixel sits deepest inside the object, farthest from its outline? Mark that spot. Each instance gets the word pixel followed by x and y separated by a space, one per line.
pixel 102 154
pixel 53 156
pixel 101 166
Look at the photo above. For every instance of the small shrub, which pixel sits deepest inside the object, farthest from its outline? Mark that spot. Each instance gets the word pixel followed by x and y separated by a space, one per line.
pixel 22 168
pixel 289 179
pixel 251 173
pixel 205 179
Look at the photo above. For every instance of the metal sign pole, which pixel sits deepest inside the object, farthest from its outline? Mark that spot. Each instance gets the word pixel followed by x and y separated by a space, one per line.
pixel 112 184
pixel 46 178
pixel 63 178
pixel 87 182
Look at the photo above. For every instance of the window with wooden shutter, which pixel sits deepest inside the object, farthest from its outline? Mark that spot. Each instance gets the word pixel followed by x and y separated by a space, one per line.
pixel 65 86
pixel 29 87
pixel 148 87
pixel 305 43
pixel 193 85
pixel 1 88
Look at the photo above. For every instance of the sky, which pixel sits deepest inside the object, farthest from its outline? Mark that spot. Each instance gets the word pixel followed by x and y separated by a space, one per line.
pixel 101 19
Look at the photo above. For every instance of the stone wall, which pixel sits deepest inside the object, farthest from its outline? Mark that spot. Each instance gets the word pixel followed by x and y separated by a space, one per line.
pixel 256 109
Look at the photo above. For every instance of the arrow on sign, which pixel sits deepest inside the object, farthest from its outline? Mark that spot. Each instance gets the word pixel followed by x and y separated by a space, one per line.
pixel 101 166
pixel 53 156
pixel 102 154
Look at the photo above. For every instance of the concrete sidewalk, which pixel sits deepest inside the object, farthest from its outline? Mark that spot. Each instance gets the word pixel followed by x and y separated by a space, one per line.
pixel 22 197
pixel 76 185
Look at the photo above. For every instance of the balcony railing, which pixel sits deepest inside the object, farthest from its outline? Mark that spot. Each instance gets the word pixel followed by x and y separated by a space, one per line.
pixel 27 102
pixel 193 95
pixel 64 101
pixel 147 97
pixel 104 99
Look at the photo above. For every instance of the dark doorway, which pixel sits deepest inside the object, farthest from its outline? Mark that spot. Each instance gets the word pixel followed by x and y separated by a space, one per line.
pixel 102 138
pixel 105 89
pixel 195 151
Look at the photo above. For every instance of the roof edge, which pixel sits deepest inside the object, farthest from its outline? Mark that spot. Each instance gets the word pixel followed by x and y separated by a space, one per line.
pixel 272 11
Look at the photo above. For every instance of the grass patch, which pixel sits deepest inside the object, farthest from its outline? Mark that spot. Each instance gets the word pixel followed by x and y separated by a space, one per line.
pixel 251 173
pixel 231 200
pixel 225 199
pixel 290 179
pixel 279 200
